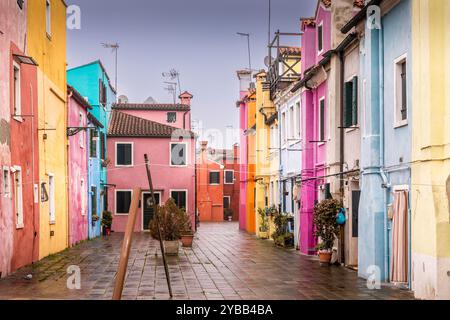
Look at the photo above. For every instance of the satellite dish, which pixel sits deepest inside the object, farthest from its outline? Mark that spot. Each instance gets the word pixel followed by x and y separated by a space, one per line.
pixel 123 99
pixel 150 100
pixel 267 61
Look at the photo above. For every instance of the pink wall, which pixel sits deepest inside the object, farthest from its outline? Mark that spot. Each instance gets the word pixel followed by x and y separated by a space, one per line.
pixel 164 177
pixel 78 172
pixel 243 166
pixel 161 117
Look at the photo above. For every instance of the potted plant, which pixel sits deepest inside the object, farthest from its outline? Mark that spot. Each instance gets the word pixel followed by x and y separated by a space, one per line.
pixel 263 224
pixel 107 222
pixel 282 237
pixel 228 214
pixel 187 235
pixel 171 226
pixel 326 226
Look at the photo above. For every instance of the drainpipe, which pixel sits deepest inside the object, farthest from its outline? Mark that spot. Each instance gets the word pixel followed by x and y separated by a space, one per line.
pixel 383 175
pixel 184 119
pixel 341 147
pixel 280 188
pixel 68 171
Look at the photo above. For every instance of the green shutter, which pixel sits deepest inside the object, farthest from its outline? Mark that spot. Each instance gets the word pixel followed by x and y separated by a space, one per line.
pixel 348 97
pixel 355 101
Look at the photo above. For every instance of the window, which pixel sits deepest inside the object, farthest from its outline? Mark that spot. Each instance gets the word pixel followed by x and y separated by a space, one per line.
pixel 124 154
pixel 18 197
pixel 171 117
pixel 283 128
pixel 214 177
pixel 401 92
pixel 351 103
pixel 320 38
pixel 297 121
pixel 94 200
pixel 291 123
pixel 322 120
pixel 93 137
pixel 6 182
pixel 226 202
pixel 102 92
pixel 81 125
pixel 180 197
pixel 83 197
pixel 102 146
pixel 51 198
pixel 178 154
pixel 123 201
pixel 229 176
pixel 48 18
pixel 16 87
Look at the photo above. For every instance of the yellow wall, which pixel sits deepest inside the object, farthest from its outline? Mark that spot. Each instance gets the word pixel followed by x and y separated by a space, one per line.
pixel 431 148
pixel 50 54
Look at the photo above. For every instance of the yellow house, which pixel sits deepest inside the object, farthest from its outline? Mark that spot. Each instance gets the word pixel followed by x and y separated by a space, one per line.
pixel 264 163
pixel 251 161
pixel 431 149
pixel 47 45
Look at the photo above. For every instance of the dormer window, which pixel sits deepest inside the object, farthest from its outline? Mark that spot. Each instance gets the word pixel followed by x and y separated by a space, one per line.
pixel 171 117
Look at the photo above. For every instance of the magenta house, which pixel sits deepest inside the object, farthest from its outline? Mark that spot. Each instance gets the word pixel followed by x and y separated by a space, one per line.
pixel 163 132
pixel 315 66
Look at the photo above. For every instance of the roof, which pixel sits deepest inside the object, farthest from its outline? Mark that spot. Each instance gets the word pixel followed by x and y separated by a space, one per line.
pixel 151 106
pixel 125 125
pixel 359 16
pixel 327 5
pixel 99 62
pixel 78 97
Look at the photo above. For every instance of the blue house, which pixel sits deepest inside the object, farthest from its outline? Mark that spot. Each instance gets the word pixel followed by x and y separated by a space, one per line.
pixel 93 83
pixel 384 250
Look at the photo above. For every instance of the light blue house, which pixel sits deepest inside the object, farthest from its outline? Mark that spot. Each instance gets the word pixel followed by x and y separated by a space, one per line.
pixel 93 83
pixel 386 143
pixel 288 106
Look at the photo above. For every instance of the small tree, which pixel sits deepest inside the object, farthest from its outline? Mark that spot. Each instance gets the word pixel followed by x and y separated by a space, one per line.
pixel 327 228
pixel 263 220
pixel 107 219
pixel 172 221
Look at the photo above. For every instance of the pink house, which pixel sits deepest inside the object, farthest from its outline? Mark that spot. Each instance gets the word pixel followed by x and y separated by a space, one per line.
pixel 77 165
pixel 162 131
pixel 316 45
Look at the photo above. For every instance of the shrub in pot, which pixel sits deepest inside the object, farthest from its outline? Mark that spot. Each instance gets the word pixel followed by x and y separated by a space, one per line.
pixel 282 237
pixel 263 224
pixel 326 227
pixel 107 222
pixel 187 235
pixel 171 219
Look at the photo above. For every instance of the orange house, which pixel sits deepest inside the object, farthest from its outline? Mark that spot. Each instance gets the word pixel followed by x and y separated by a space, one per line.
pixel 217 184
pixel 251 149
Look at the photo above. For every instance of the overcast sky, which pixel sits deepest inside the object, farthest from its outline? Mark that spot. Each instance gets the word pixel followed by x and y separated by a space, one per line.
pixel 196 37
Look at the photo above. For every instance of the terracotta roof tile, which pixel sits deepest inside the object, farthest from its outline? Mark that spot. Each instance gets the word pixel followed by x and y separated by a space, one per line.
pixel 125 125
pixel 154 106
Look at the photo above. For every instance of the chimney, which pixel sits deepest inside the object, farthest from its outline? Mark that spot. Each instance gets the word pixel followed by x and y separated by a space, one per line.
pixel 204 145
pixel 185 98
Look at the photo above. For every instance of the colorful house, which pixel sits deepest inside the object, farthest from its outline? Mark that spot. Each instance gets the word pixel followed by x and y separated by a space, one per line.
pixel 217 183
pixel 19 156
pixel 46 42
pixel 429 118
pixel 92 82
pixel 163 132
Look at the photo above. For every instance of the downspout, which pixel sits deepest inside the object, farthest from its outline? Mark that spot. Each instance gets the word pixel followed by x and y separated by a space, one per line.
pixel 280 188
pixel 341 147
pixel 68 171
pixel 184 119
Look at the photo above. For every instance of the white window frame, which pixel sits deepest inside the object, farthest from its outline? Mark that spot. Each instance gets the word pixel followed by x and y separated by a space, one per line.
pixel 181 190
pixel 229 201
pixel 320 121
pixel 170 155
pixel 142 209
pixel 297 120
pixel 115 201
pixel 17 106
pixel 83 196
pixel 48 18
pixel 397 85
pixel 224 177
pixel 6 183
pixel 209 178
pixel 283 130
pixel 320 51
pixel 18 197
pixel 51 198
pixel 132 154
pixel 291 123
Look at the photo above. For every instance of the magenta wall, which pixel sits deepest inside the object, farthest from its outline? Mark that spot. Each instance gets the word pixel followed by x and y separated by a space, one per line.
pixel 164 177
pixel 78 172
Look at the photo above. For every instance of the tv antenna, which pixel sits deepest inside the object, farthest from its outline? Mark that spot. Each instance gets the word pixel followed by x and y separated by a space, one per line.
pixel 114 48
pixel 172 89
pixel 173 75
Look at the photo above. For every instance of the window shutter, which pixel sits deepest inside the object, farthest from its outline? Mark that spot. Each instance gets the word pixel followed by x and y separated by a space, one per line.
pixel 355 101
pixel 348 97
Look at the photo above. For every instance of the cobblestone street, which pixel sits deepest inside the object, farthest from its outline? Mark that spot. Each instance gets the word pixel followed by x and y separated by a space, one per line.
pixel 223 264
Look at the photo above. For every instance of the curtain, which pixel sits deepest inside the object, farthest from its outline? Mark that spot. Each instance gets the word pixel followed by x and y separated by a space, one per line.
pixel 399 259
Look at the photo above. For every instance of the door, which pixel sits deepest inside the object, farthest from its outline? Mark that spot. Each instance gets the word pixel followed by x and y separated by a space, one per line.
pixel 147 209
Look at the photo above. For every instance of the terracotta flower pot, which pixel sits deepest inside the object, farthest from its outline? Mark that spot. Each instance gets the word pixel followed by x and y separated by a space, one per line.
pixel 187 240
pixel 171 247
pixel 324 257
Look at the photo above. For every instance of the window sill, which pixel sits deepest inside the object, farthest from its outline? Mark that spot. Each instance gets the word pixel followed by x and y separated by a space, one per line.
pixel 49 36
pixel 121 214
pixel 401 124
pixel 124 166
pixel 229 183
pixel 52 223
pixel 18 118
pixel 175 166
pixel 214 184
pixel 19 226
pixel 351 129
